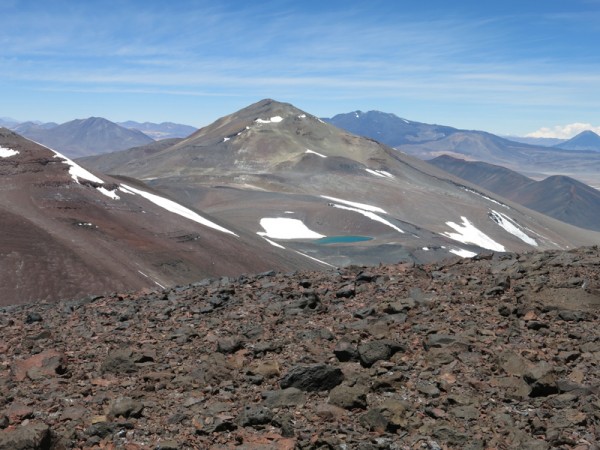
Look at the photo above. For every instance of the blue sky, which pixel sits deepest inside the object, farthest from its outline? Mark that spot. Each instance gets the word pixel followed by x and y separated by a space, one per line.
pixel 509 67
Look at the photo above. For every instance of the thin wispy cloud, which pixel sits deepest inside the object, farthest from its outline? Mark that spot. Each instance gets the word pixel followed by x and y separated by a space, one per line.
pixel 290 50
pixel 564 131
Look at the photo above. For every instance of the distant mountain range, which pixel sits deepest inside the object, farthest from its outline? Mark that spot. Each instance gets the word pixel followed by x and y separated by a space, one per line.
pixel 158 131
pixel 286 175
pixel 266 187
pixel 586 140
pixel 539 142
pixel 96 135
pixel 388 128
pixel 557 196
pixel 84 137
pixel 69 233
pixel 429 141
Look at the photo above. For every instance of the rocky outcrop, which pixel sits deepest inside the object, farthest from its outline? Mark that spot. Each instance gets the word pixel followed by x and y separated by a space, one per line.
pixel 419 357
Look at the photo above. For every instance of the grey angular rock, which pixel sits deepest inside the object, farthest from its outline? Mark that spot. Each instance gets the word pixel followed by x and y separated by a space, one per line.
pixel 126 407
pixel 34 436
pixel 541 379
pixel 347 397
pixel 286 397
pixel 445 340
pixel 120 361
pixel 345 351
pixel 254 416
pixel 371 352
pixel 315 377
pixel 229 345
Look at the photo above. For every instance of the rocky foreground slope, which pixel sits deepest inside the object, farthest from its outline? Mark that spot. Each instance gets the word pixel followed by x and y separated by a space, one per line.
pixel 497 352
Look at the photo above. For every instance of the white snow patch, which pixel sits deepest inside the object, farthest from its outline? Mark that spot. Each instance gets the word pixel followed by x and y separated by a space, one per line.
pixel 467 233
pixel 288 212
pixel 274 119
pixel 511 226
pixel 7 152
pixel 376 173
pixel 315 153
pixel 284 228
pixel 320 120
pixel 426 249
pixel 462 252
pixel 486 197
pixel 175 208
pixel 405 121
pixel 302 116
pixel 274 244
pixel 371 216
pixel 314 259
pixel 112 194
pixel 76 171
pixel 225 139
pixel 380 173
pixel 362 206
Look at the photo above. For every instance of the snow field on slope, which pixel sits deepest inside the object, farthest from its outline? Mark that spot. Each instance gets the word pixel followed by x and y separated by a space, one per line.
pixel 175 208
pixel 362 206
pixel 315 153
pixel 511 227
pixel 370 215
pixel 7 152
pixel 285 228
pixel 467 233
pixel 274 119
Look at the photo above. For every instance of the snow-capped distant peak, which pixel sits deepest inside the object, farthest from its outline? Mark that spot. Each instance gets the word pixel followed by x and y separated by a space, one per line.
pixel 7 152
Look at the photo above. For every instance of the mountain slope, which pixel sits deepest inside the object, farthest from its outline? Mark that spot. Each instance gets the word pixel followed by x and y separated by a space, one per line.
pixel 586 140
pixel 388 128
pixel 107 163
pixel 532 161
pixel 538 142
pixel 65 232
pixel 271 168
pixel 427 141
pixel 158 131
pixel 498 352
pixel 87 137
pixel 563 198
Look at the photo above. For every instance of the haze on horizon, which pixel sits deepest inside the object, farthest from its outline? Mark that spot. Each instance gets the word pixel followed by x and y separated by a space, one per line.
pixel 511 68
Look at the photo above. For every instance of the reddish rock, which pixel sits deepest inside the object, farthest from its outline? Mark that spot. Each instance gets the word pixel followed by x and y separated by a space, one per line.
pixel 49 363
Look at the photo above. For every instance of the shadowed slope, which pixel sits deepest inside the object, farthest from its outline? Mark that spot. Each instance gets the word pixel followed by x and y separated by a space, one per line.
pixel 272 160
pixel 64 232
pixel 90 136
pixel 560 197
